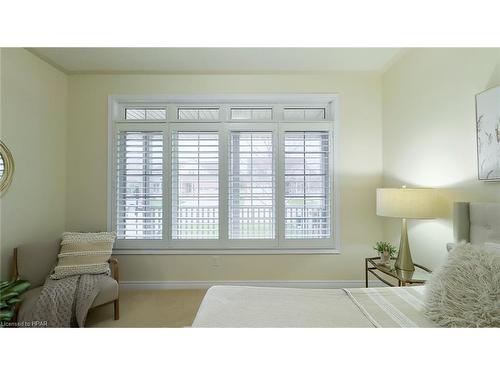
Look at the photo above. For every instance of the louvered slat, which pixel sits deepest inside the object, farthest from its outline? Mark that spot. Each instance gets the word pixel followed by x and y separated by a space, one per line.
pixel 139 211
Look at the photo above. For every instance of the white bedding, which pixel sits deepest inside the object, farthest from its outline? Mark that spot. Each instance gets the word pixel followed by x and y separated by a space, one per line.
pixel 236 306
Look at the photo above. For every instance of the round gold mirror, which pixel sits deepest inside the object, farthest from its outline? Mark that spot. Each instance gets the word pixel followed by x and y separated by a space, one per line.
pixel 6 167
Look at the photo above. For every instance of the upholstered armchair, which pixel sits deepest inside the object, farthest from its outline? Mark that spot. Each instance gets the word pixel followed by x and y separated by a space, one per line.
pixel 34 263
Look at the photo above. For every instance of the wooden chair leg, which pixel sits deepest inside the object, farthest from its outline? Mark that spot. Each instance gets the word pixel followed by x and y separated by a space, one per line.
pixel 117 309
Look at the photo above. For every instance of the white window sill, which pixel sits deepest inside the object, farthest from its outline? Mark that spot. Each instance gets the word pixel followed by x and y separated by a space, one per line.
pixel 222 251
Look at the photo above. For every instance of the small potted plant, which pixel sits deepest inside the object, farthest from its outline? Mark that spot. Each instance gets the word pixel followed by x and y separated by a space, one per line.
pixel 386 251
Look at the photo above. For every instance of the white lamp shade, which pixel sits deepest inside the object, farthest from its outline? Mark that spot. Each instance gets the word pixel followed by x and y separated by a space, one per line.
pixel 408 203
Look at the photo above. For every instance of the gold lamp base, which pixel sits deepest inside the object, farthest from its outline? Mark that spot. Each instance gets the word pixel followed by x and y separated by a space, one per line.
pixel 404 261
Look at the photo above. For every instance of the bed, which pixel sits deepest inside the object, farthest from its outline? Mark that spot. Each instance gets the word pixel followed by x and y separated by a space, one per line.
pixel 245 306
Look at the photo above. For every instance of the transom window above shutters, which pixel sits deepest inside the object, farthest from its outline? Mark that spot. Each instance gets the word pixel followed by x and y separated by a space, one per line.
pixel 302 114
pixel 145 114
pixel 257 114
pixel 196 114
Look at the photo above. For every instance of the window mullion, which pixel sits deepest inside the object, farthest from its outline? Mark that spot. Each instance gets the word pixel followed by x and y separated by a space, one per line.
pixel 224 113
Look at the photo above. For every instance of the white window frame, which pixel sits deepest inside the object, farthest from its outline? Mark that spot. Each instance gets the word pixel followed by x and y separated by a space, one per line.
pixel 280 245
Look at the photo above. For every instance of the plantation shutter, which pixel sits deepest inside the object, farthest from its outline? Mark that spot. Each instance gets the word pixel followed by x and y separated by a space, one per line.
pixel 139 191
pixel 307 188
pixel 251 186
pixel 195 185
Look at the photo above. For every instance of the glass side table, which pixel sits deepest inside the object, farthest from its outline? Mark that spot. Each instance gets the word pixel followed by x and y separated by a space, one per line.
pixel 403 278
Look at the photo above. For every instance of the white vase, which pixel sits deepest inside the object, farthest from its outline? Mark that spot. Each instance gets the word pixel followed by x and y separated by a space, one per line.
pixel 385 257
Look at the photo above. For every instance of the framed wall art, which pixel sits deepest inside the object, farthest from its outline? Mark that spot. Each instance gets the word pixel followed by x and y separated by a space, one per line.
pixel 488 134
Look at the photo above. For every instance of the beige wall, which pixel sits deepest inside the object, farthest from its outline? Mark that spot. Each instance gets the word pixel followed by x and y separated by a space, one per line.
pixel 360 171
pixel 426 100
pixel 33 120
pixel 429 134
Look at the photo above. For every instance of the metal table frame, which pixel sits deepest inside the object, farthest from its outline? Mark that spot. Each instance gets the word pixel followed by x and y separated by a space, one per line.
pixel 371 266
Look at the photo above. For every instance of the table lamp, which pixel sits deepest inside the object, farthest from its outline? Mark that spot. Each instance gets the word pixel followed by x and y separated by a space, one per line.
pixel 407 204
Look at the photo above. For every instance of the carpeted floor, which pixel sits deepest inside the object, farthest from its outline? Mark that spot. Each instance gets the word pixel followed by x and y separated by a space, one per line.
pixel 150 308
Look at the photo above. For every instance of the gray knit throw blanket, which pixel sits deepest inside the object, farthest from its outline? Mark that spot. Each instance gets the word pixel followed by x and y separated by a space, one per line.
pixel 65 303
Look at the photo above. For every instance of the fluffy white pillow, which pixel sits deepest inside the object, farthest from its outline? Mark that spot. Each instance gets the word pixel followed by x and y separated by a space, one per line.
pixel 465 290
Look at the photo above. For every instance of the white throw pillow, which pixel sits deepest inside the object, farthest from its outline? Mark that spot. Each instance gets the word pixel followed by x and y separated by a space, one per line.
pixel 465 290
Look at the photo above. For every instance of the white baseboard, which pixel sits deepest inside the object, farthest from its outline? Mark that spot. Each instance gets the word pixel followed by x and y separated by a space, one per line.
pixel 205 284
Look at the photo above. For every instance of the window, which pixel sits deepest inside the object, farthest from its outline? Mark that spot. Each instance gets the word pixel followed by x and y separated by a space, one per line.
pixel 208 114
pixel 195 185
pixel 201 175
pixel 139 202
pixel 301 114
pixel 145 114
pixel 251 114
pixel 251 185
pixel 307 192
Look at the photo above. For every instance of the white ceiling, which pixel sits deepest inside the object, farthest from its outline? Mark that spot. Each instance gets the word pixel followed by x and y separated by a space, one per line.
pixel 217 60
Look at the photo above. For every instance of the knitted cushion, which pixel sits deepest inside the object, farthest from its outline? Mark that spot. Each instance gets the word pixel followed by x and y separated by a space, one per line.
pixel 465 290
pixel 84 253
